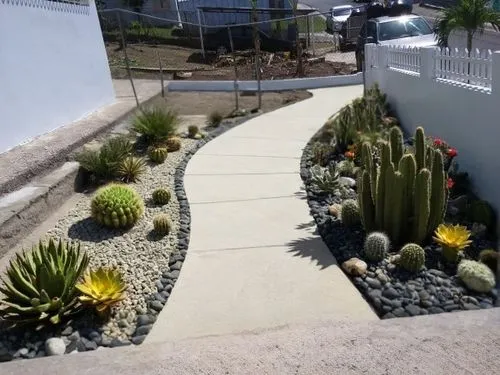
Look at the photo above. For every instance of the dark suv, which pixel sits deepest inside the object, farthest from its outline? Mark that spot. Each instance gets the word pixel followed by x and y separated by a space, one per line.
pixel 408 30
pixel 219 42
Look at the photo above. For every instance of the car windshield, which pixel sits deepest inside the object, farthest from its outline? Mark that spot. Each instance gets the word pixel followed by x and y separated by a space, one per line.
pixel 341 12
pixel 403 28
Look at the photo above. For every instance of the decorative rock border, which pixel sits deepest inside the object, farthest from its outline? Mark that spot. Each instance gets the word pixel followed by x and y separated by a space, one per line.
pixel 392 292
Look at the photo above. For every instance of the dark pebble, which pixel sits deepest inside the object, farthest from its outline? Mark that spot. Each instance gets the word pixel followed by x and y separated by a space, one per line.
pixel 165 294
pixel 117 342
pixel 374 283
pixel 386 301
pixel 91 345
pixel 426 303
pixel 452 307
pixel 423 295
pixel 143 330
pixel 388 316
pixel 371 274
pixel 390 293
pixel 485 305
pixel 145 319
pixel 396 303
pixel 81 345
pixel 137 340
pixel 400 312
pixel 176 267
pixel 174 274
pixel 386 308
pixel 437 273
pixel 75 336
pixel 168 288
pixel 413 310
pixel 67 331
pixel 470 306
pixel 375 294
pixel 159 285
pixel 156 305
pixel 159 297
pixel 106 340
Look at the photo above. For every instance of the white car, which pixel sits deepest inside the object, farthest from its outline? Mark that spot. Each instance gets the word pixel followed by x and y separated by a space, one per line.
pixel 337 16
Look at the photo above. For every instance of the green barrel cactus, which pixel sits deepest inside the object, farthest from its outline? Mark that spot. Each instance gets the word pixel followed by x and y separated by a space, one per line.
pixel 349 212
pixel 162 224
pixel 161 197
pixel 40 285
pixel 157 154
pixel 476 276
pixel 173 144
pixel 412 257
pixel 376 246
pixel 117 206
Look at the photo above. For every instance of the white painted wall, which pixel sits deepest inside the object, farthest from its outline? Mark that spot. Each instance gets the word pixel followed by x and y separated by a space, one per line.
pixel 465 116
pixel 53 68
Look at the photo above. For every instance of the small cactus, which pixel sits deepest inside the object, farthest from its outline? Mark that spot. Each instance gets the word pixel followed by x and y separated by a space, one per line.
pixel 162 224
pixel 476 276
pixel 192 131
pixel 161 197
pixel 350 212
pixel 490 257
pixel 174 144
pixel 158 154
pixel 376 246
pixel 412 257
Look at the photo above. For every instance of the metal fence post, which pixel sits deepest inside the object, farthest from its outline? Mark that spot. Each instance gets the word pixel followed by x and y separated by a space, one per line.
pixel 126 58
pixel 201 33
pixel 236 89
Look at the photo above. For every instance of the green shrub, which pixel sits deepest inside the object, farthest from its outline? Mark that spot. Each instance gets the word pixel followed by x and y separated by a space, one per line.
pixel 117 206
pixel 158 154
pixel 476 276
pixel 321 153
pixel 162 224
pixel 376 246
pixel 131 169
pixel 156 124
pixel 215 118
pixel 490 257
pixel 349 212
pixel 412 257
pixel 40 284
pixel 193 131
pixel 161 197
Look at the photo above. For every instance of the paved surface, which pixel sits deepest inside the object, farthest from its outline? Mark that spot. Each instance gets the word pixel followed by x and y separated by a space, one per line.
pixel 465 343
pixel 254 261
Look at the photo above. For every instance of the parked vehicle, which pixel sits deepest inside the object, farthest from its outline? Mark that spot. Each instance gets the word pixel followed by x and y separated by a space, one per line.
pixel 220 43
pixel 408 30
pixel 337 16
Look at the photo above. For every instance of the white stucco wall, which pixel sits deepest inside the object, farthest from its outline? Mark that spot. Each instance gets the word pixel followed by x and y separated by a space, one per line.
pixel 466 117
pixel 53 68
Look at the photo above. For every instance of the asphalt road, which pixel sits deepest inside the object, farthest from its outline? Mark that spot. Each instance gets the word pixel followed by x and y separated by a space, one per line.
pixel 489 40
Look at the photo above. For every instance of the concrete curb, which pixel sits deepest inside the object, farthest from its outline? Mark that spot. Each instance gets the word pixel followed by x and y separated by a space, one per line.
pixel 278 85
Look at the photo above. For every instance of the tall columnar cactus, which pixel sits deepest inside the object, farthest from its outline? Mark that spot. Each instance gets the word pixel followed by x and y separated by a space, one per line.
pixel 350 212
pixel 405 196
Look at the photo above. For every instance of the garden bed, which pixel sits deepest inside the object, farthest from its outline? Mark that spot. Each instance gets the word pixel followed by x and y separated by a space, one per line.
pixel 391 290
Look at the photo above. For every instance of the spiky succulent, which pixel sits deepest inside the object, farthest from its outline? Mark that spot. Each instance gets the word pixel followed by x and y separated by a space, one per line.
pixel 131 169
pixel 376 246
pixel 156 124
pixel 476 276
pixel 349 212
pixel 162 224
pixel 102 288
pixel 412 257
pixel 173 144
pixel 40 284
pixel 453 239
pixel 117 206
pixel 490 257
pixel 325 179
pixel 161 196
pixel 192 131
pixel 157 154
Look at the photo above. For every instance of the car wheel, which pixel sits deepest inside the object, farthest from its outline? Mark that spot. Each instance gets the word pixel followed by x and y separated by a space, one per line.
pixel 222 50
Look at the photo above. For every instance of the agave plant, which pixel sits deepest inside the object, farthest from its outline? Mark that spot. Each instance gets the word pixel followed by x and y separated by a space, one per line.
pixel 156 124
pixel 326 179
pixel 40 284
pixel 453 239
pixel 131 168
pixel 102 288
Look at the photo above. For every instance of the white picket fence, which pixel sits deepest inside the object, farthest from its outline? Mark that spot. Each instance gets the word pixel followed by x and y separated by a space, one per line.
pixel 404 58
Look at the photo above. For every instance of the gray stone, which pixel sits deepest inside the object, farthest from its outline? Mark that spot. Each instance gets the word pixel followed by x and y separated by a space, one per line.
pixel 106 340
pixel 117 342
pixel 5 355
pixel 67 331
pixel 156 305
pixel 470 306
pixel 390 293
pixel 413 310
pixel 143 330
pixel 165 295
pixel 144 319
pixel 55 346
pixel 426 303
pixel 374 283
pixel 400 312
pixel 386 308
pixel 423 295
pixel 159 297
pixel 383 278
pixel 137 340
pixel 31 354
pixel 386 301
pixel 388 316
pixel 176 266
pixel 435 310
pixel 438 273
pixel 168 288
pixel 75 336
pixel 174 274
pixel 90 345
pixel 396 303
pixel 159 285
pixel 469 299
pixel 23 352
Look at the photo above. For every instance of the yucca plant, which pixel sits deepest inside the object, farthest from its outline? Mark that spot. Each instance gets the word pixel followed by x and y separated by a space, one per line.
pixel 131 168
pixel 453 239
pixel 215 118
pixel 156 124
pixel 102 288
pixel 40 286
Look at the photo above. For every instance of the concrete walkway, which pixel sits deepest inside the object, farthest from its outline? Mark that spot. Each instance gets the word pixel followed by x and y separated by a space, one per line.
pixel 254 261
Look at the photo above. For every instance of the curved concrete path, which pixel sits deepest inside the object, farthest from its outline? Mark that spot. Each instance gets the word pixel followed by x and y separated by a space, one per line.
pixel 254 261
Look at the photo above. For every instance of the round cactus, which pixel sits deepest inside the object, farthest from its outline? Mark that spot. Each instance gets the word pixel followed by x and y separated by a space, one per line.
pixel 376 246
pixel 476 276
pixel 350 212
pixel 161 196
pixel 117 206
pixel 162 224
pixel 412 257
pixel 174 144
pixel 490 257
pixel 158 154
pixel 192 131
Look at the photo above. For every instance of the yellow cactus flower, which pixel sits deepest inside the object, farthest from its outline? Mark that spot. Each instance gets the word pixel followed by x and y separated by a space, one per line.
pixel 453 239
pixel 102 288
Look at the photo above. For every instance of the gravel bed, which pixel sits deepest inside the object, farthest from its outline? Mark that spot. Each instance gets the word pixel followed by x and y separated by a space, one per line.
pixel 391 291
pixel 150 265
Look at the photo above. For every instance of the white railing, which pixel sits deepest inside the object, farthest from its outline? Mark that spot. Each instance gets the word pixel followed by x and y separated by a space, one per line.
pixel 457 65
pixel 404 57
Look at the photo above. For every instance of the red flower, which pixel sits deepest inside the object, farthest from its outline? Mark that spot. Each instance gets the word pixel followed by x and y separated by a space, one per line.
pixel 452 152
pixel 349 154
pixel 450 183
pixel 438 142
